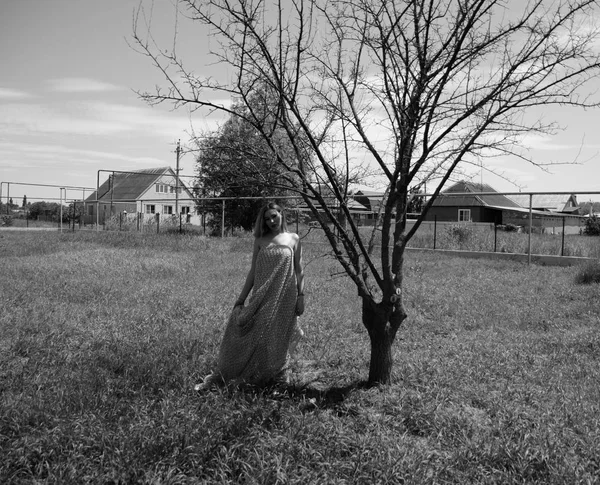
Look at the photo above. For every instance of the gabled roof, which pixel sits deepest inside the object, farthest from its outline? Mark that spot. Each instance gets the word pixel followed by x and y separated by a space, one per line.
pixel 550 202
pixel 130 186
pixel 371 199
pixel 491 199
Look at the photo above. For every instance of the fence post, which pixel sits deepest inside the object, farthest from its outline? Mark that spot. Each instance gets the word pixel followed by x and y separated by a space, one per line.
pixel 562 248
pixel 157 216
pixel 120 221
pixel 223 220
pixel 434 230
pixel 180 224
pixel 495 236
pixel 530 229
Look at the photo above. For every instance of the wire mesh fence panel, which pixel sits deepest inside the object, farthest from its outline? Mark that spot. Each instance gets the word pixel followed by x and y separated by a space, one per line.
pixel 453 222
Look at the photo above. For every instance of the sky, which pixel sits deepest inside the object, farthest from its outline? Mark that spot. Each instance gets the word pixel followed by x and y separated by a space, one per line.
pixel 69 108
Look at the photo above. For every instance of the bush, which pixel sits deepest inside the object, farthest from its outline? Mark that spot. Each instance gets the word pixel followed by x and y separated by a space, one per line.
pixel 589 273
pixel 509 227
pixel 592 226
pixel 7 221
pixel 460 233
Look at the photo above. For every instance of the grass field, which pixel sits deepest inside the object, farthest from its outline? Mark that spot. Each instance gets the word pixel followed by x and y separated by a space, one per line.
pixel 102 336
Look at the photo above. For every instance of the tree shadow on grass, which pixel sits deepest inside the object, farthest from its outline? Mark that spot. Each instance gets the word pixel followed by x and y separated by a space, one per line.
pixel 304 385
pixel 310 398
pixel 310 391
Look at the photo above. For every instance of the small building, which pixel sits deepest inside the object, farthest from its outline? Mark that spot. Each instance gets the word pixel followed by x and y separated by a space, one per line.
pixel 482 203
pixel 558 203
pixel 469 205
pixel 149 191
pixel 370 201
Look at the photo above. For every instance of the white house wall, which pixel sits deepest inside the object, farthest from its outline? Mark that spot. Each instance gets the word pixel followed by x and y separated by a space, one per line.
pixel 162 199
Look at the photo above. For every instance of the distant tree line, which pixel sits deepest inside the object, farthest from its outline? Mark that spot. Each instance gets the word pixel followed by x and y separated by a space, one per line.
pixel 42 210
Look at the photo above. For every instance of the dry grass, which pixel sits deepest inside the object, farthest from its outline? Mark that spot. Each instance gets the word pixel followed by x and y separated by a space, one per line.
pixel 103 336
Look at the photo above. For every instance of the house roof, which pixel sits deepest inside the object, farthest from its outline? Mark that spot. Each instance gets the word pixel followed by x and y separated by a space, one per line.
pixel 556 203
pixel 490 199
pixel 371 199
pixel 129 186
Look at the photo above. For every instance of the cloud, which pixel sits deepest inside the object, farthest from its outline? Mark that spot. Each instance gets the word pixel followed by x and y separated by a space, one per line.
pixel 38 119
pixel 13 94
pixel 49 151
pixel 543 142
pixel 80 85
pixel 48 163
pixel 92 118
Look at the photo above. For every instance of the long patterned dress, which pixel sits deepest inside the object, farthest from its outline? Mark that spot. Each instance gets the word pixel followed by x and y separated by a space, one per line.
pixel 255 345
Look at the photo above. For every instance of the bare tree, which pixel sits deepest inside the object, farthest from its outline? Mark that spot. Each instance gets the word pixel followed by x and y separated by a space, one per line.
pixel 417 88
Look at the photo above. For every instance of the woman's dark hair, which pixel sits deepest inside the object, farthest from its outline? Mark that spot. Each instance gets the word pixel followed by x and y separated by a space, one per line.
pixel 260 226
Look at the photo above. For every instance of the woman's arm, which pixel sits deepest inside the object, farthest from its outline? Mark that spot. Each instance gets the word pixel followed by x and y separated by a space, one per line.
pixel 250 278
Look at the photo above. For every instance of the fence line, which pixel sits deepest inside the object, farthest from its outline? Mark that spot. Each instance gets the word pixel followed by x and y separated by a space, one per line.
pixel 155 214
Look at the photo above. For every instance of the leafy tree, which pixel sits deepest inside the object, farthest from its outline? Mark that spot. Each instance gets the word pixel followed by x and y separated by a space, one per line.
pixel 45 209
pixel 36 209
pixel 415 201
pixel 73 212
pixel 592 226
pixel 589 208
pixel 24 202
pixel 417 88
pixel 236 162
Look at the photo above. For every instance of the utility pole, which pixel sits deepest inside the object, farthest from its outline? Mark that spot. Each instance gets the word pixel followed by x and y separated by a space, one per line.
pixel 178 152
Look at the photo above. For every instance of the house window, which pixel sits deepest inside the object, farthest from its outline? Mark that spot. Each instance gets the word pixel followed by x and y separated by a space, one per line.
pixel 150 208
pixel 158 187
pixel 464 215
pixel 167 209
pixel 185 209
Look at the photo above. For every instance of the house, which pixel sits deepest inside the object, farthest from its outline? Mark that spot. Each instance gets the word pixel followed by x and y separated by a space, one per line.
pixel 481 203
pixel 470 205
pixel 371 201
pixel 358 211
pixel 565 203
pixel 150 192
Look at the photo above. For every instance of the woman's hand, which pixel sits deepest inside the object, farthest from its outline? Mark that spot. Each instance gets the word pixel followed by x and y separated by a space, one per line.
pixel 300 305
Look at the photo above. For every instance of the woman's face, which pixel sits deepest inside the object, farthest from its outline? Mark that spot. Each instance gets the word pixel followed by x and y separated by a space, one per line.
pixel 273 219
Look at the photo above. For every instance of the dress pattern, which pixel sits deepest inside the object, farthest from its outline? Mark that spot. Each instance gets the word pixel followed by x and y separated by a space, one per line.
pixel 255 345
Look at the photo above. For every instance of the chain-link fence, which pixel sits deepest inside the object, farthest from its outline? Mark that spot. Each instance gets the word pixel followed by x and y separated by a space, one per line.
pixel 546 224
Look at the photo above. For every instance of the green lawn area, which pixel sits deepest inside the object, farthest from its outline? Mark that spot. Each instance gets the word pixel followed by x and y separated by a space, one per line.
pixel 103 335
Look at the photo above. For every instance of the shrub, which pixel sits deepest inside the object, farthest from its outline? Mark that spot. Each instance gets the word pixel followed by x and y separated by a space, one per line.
pixel 7 221
pixel 509 227
pixel 460 233
pixel 589 273
pixel 592 226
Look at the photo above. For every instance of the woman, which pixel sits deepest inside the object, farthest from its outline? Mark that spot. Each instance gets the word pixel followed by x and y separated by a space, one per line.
pixel 258 335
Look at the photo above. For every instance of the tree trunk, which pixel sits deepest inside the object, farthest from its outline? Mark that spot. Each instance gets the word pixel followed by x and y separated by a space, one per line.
pixel 382 322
